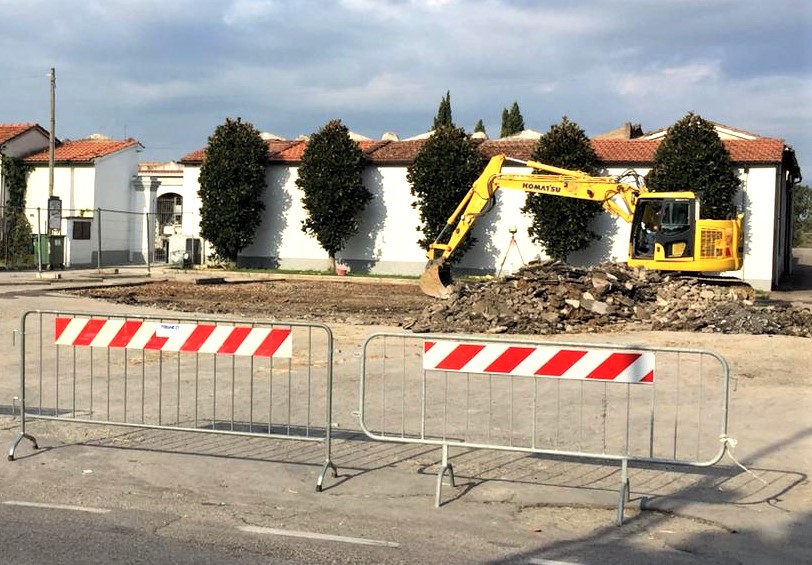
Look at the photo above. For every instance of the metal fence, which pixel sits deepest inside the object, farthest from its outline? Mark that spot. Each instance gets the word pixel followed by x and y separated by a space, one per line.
pixel 99 238
pixel 630 404
pixel 231 377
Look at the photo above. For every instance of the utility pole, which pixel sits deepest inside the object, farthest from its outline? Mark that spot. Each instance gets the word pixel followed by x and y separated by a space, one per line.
pixel 52 136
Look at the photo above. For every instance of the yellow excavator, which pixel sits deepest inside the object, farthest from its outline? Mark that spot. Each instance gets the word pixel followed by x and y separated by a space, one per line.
pixel 667 232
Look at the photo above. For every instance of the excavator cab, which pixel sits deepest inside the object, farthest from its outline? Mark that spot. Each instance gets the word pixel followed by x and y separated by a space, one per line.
pixel 668 235
pixel 663 227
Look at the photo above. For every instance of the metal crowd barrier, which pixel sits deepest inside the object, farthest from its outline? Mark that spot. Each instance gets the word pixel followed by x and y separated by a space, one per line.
pixel 629 404
pixel 216 376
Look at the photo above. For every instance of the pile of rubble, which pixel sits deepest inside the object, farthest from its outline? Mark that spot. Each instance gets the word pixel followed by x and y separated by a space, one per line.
pixel 552 297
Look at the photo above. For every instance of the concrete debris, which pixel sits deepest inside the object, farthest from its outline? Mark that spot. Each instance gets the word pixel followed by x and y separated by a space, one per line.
pixel 552 297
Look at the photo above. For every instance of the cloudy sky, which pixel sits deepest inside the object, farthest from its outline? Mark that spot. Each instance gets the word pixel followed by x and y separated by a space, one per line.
pixel 168 72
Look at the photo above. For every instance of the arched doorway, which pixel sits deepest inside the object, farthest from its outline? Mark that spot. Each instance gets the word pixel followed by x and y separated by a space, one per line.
pixel 168 222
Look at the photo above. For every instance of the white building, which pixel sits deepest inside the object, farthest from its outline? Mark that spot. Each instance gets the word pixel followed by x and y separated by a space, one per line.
pixel 19 140
pixel 387 240
pixel 94 179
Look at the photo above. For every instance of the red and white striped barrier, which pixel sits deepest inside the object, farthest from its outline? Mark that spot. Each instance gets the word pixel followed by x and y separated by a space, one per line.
pixel 539 361
pixel 192 338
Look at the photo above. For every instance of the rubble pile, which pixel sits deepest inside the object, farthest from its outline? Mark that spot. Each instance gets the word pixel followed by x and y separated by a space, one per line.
pixel 552 297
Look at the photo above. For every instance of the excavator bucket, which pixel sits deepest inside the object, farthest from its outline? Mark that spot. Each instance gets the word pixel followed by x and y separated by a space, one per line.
pixel 436 280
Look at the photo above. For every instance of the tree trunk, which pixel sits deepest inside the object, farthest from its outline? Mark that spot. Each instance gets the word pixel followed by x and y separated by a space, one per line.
pixel 332 263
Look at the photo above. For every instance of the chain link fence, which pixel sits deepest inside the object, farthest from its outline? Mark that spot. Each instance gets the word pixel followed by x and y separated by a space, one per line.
pixel 98 238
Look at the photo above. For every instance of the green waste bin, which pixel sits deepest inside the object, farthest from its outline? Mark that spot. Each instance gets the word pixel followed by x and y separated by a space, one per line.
pixel 41 246
pixel 56 252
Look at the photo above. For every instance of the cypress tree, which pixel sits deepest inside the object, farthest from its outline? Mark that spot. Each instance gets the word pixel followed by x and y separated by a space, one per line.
pixel 443 117
pixel 512 121
pixel 505 130
pixel 516 119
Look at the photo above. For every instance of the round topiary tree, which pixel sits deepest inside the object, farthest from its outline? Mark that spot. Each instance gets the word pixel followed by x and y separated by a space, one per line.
pixel 561 225
pixel 232 181
pixel 692 157
pixel 334 192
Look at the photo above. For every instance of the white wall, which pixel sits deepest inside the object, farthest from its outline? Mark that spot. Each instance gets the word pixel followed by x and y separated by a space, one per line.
pixel 26 144
pixel 386 242
pixel 74 185
pixel 757 199
pixel 387 239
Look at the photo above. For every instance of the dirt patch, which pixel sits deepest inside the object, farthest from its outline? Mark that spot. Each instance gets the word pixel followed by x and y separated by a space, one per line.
pixel 546 298
pixel 351 302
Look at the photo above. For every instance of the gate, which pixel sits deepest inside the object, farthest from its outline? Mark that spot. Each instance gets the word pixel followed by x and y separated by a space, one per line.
pixel 629 404
pixel 217 376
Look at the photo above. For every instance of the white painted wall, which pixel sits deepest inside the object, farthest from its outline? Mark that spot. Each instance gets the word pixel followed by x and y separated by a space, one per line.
pixel 387 239
pixel 83 189
pixel 73 184
pixel 26 143
pixel 757 198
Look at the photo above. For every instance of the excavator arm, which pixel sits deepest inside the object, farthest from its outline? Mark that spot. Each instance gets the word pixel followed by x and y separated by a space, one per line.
pixel 616 198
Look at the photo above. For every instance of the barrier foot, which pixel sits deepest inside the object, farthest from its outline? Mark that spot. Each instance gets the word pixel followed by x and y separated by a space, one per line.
pixel 624 494
pixel 17 440
pixel 445 467
pixel 320 480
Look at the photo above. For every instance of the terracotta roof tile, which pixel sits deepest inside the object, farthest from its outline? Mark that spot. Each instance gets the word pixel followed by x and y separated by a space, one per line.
pixel 396 152
pixel 288 151
pixel 625 151
pixel 10 131
pixel 193 157
pixel 161 167
pixel 82 150
pixel 517 148
pixel 761 150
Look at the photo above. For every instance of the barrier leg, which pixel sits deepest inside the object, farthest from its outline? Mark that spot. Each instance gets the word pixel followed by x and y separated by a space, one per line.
pixel 20 437
pixel 624 493
pixel 327 465
pixel 23 434
pixel 446 466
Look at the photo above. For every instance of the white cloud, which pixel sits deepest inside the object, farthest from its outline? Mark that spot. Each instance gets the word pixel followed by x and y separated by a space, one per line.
pixel 667 81
pixel 249 12
pixel 144 93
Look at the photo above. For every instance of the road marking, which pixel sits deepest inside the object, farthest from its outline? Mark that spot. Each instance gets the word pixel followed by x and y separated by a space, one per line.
pixel 539 561
pixel 57 506
pixel 313 535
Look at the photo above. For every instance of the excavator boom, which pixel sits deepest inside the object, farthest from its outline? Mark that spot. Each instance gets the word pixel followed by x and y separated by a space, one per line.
pixel 686 242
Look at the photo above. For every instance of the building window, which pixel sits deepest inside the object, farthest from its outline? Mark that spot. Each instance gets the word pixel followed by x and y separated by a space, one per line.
pixel 170 209
pixel 81 229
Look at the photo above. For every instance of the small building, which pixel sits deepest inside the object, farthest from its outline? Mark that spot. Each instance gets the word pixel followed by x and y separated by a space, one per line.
pixel 163 182
pixel 19 140
pixel 94 181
